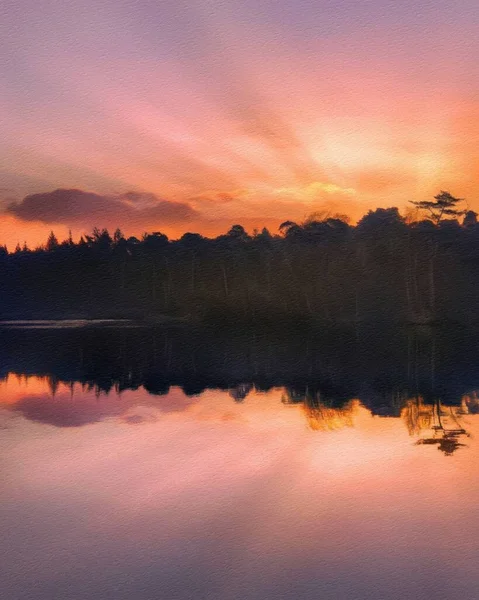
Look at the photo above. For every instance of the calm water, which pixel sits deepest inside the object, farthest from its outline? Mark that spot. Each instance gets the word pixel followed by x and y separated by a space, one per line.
pixel 123 477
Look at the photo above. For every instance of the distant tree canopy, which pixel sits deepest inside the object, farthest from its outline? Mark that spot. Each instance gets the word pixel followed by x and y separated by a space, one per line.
pixel 324 268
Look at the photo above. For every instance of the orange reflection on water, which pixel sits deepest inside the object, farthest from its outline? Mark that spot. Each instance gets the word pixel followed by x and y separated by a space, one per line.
pixel 15 387
pixel 46 399
pixel 234 487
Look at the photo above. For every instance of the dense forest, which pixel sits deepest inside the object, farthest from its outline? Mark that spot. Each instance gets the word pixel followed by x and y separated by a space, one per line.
pixel 385 267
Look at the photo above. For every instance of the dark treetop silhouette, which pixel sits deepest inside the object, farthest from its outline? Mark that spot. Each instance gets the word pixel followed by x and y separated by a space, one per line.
pixel 324 269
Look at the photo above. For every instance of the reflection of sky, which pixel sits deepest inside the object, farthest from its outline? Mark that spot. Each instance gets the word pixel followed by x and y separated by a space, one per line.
pixel 205 497
pixel 277 107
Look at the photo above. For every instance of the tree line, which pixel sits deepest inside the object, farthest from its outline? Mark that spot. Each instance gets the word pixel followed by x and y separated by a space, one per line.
pixel 386 267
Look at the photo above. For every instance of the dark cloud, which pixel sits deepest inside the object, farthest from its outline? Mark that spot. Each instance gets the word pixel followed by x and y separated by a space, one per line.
pixel 77 207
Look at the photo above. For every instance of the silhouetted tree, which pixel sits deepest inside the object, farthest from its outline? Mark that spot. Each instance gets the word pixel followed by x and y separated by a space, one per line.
pixel 52 242
pixel 470 219
pixel 444 204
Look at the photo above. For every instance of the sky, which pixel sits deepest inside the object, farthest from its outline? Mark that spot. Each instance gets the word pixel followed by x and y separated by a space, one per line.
pixel 194 115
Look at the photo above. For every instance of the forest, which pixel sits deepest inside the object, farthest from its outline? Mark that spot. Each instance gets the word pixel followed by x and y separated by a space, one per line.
pixel 384 268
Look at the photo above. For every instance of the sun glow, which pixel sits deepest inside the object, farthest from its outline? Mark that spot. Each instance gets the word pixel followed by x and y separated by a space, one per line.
pixel 351 116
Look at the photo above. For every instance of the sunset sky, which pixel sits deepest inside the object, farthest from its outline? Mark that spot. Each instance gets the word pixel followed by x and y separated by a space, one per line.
pixel 179 115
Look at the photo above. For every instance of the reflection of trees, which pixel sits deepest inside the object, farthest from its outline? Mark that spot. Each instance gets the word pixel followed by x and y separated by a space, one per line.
pixel 416 415
pixel 292 396
pixel 323 368
pixel 319 415
pixel 470 404
pixel 240 391
pixel 435 424
pixel 447 442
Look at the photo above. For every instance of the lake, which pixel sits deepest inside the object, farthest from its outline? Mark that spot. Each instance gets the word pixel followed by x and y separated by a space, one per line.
pixel 178 464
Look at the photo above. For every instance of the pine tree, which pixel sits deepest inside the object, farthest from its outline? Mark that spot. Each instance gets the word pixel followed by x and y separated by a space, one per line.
pixel 52 242
pixel 445 204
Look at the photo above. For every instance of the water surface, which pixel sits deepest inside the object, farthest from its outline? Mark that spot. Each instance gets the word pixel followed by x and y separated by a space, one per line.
pixel 117 490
